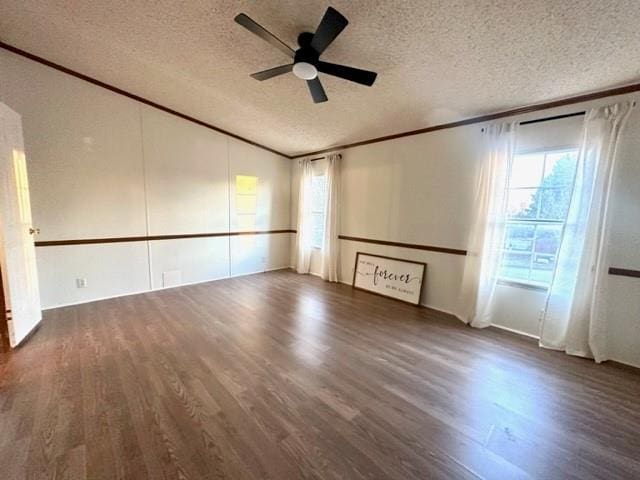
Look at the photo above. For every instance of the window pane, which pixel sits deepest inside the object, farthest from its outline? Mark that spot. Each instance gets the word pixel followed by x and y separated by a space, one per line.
pixel 541 186
pixel 527 170
pixel 541 276
pixel 516 266
pixel 523 203
pixel 560 168
pixel 519 238
pixel 547 239
pixel 246 185
pixel 547 244
pixel 554 203
pixel 317 235
pixel 318 193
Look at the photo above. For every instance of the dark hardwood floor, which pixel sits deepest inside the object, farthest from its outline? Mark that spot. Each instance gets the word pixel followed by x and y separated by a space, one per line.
pixel 281 376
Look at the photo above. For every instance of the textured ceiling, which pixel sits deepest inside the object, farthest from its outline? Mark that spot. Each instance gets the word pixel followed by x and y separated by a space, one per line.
pixel 437 61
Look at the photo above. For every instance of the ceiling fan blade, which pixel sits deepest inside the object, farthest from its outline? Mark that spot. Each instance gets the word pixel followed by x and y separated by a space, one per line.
pixel 317 92
pixel 364 77
pixel 264 34
pixel 272 72
pixel 330 27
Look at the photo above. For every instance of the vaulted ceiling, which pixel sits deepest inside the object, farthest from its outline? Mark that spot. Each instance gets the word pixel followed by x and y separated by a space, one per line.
pixel 437 61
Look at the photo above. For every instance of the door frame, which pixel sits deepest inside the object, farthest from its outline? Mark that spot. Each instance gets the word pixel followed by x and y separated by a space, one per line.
pixel 5 345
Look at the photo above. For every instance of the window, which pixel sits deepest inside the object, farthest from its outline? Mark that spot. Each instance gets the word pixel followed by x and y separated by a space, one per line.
pixel 246 201
pixel 540 188
pixel 318 200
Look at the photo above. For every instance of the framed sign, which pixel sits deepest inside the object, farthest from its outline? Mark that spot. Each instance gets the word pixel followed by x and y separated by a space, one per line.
pixel 389 277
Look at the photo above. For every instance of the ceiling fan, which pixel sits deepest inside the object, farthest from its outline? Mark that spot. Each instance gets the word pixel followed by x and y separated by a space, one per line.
pixel 306 59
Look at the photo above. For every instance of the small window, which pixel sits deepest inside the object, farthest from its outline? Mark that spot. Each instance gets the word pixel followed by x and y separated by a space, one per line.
pixel 318 199
pixel 540 188
pixel 246 201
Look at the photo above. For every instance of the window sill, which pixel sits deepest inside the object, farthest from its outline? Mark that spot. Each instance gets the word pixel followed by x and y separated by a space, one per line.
pixel 523 285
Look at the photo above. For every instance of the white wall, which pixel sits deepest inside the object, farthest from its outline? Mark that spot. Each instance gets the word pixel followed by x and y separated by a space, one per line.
pixel 419 190
pixel 623 293
pixel 102 165
pixel 395 190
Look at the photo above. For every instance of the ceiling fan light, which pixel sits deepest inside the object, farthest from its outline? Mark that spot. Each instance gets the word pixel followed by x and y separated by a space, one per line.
pixel 305 71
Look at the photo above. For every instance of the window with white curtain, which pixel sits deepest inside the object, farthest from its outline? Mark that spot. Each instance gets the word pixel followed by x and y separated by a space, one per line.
pixel 318 204
pixel 539 192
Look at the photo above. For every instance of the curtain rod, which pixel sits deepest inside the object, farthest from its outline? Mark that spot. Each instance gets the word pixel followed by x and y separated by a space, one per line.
pixel 322 158
pixel 547 119
pixel 556 117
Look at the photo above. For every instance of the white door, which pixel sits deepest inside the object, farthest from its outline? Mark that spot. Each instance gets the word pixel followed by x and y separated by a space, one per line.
pixel 17 252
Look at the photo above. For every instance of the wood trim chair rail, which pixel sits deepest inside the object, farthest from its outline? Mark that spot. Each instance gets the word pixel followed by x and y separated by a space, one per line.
pixel 148 238
pixel 624 272
pixel 430 248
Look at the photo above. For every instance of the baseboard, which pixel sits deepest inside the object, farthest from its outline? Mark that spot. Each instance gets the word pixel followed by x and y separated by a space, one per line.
pixel 99 299
pixel 425 305
pixel 513 330
pixel 256 272
pixel 632 367
pixel 315 274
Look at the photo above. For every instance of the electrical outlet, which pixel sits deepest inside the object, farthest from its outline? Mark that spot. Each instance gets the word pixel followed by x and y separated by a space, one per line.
pixel 81 282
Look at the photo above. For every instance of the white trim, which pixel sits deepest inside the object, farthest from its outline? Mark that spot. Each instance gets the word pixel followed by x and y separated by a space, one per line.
pixel 420 305
pixel 255 273
pixel 99 299
pixel 521 284
pixel 518 332
pixel 441 311
pixel 611 359
pixel 559 148
pixel 315 274
pixel 583 355
pixel 81 302
pixel 146 196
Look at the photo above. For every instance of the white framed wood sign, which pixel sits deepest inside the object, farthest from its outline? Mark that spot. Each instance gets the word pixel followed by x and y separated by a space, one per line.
pixel 390 277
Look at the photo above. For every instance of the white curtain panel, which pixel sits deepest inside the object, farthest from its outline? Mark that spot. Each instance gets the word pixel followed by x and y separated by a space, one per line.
pixel 486 239
pixel 331 245
pixel 304 225
pixel 573 320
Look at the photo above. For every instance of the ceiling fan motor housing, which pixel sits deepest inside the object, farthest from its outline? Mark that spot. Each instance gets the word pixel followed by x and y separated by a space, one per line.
pixel 306 58
pixel 306 53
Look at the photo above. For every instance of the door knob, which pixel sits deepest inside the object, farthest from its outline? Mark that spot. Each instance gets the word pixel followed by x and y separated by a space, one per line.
pixel 34 231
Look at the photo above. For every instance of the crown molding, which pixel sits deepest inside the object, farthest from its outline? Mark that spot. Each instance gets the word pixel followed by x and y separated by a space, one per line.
pixel 611 92
pixel 133 96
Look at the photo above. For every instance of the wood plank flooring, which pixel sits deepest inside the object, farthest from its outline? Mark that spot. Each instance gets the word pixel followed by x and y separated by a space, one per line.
pixel 282 376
